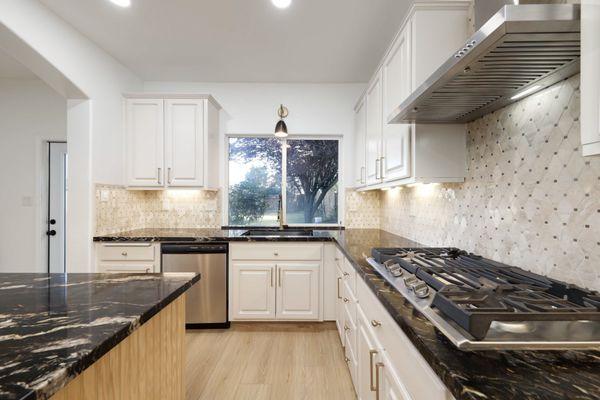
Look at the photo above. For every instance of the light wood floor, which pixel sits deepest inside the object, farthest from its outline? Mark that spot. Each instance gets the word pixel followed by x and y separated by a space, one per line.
pixel 275 361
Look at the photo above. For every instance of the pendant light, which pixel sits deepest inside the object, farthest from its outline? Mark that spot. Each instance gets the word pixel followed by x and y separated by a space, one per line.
pixel 281 128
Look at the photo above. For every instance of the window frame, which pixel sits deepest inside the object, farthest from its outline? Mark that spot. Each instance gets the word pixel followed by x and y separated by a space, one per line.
pixel 341 187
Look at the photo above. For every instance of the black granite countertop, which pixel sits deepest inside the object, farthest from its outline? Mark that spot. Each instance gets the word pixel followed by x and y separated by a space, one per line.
pixel 469 375
pixel 53 326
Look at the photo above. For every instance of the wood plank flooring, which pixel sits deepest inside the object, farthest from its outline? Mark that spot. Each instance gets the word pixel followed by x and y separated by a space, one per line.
pixel 274 361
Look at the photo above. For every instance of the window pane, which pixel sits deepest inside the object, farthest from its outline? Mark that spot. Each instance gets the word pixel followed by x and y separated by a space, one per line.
pixel 254 180
pixel 312 182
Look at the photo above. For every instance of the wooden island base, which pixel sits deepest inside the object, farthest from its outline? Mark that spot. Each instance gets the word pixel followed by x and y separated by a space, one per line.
pixel 148 364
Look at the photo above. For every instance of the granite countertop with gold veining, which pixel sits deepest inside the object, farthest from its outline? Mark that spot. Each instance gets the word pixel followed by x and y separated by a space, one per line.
pixel 468 375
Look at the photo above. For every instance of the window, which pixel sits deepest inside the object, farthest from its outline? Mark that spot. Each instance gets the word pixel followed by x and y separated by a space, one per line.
pixel 264 170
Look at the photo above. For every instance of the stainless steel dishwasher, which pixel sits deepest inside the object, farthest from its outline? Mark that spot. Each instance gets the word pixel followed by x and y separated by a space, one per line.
pixel 207 301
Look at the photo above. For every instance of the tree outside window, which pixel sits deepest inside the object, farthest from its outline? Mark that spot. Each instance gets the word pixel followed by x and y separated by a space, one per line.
pixel 256 181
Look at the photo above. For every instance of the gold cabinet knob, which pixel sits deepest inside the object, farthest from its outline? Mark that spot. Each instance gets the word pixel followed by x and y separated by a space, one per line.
pixel 375 323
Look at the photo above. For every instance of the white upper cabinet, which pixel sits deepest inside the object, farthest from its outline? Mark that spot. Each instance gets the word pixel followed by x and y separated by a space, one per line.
pixel 145 140
pixel 396 74
pixel 374 125
pixel 360 132
pixel 184 142
pixel 398 154
pixel 590 78
pixel 171 141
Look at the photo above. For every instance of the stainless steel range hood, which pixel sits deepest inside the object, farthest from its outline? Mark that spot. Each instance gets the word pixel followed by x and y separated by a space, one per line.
pixel 519 51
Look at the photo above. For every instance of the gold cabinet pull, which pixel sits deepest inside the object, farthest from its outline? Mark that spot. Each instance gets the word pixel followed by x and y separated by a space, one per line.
pixel 378 366
pixel 375 323
pixel 279 276
pixel 271 276
pixel 338 288
pixel 346 300
pixel 371 354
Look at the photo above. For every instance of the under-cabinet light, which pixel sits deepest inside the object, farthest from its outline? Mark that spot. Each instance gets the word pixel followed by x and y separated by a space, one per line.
pixel 121 3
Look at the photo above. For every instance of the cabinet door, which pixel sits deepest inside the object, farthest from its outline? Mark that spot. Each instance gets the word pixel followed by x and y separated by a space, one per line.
pixel 252 291
pixel 373 137
pixel 339 306
pixel 360 132
pixel 396 77
pixel 297 291
pixel 144 129
pixel 390 386
pixel 184 142
pixel 367 356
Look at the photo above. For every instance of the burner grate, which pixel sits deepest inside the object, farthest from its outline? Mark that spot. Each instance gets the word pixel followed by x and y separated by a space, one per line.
pixel 474 291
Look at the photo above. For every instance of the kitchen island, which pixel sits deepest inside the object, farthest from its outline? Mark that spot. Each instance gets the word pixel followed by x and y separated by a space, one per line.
pixel 92 336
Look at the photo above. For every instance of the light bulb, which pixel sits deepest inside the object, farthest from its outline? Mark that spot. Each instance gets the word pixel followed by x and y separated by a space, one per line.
pixel 281 3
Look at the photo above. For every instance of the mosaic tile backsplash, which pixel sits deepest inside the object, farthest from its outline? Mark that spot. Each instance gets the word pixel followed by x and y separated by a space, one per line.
pixel 118 209
pixel 530 198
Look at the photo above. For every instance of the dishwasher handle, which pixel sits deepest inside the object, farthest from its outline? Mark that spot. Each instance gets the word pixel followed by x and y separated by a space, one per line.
pixel 212 248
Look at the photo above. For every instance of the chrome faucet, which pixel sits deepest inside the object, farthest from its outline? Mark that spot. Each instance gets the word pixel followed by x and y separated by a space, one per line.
pixel 280 214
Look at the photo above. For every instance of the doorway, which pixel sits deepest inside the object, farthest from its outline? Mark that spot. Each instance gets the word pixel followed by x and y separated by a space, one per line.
pixel 57 206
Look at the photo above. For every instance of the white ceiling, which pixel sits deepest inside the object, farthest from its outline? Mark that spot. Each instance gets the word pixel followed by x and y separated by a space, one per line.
pixel 241 40
pixel 12 69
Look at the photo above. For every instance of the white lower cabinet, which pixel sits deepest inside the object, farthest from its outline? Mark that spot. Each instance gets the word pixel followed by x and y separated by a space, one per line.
pixel 253 291
pixel 275 282
pixel 297 291
pixel 383 363
pixel 339 305
pixel 368 350
pixel 124 258
pixel 391 387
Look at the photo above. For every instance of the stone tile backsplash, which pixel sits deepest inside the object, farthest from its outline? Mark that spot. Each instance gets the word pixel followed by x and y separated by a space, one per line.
pixel 530 198
pixel 119 209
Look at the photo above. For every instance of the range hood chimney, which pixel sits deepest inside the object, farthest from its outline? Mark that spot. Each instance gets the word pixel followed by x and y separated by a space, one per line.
pixel 517 50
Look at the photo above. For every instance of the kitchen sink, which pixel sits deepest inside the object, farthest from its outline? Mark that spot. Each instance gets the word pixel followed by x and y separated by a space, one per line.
pixel 275 232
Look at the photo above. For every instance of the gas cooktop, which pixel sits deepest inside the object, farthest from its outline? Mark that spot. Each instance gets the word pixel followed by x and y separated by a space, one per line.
pixel 482 304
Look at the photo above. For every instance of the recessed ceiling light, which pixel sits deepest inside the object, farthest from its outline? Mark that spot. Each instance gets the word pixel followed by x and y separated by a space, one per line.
pixel 121 3
pixel 281 3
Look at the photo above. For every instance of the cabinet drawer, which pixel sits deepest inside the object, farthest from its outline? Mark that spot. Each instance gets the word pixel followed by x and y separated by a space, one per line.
pixel 349 301
pixel 126 268
pixel 411 368
pixel 349 275
pixel 277 251
pixel 349 331
pixel 126 252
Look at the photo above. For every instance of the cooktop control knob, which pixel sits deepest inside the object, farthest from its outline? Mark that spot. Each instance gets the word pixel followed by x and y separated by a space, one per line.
pixel 410 281
pixel 421 290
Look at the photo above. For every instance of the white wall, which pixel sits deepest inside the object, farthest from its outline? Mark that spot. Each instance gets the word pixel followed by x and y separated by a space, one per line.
pixel 30 112
pixel 95 129
pixel 315 109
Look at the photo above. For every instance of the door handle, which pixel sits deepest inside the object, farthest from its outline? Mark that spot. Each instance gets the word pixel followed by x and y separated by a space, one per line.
pixel 381 165
pixel 371 354
pixel 159 176
pixel 169 179
pixel 338 288
pixel 363 175
pixel 377 168
pixel 271 276
pixel 279 276
pixel 51 232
